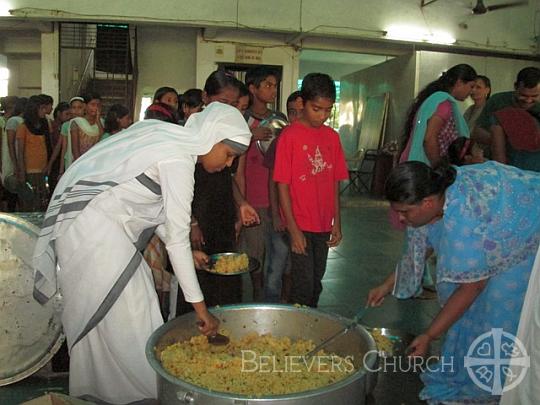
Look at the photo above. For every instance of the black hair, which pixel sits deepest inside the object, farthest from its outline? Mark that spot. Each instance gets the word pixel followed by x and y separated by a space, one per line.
pixel 46 98
pixel 20 106
pixel 457 151
pixel 192 98
pixel 258 74
pixel 31 111
pixel 61 107
pixel 219 80
pixel 294 95
pixel 8 103
pixel 162 112
pixel 411 182
pixel 487 83
pixel 528 77
pixel 162 91
pixel 91 96
pixel 244 91
pixel 445 82
pixel 317 85
pixel 34 123
pixel 116 111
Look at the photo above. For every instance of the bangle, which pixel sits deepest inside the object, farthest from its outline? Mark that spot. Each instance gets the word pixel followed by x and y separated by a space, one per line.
pixel 194 223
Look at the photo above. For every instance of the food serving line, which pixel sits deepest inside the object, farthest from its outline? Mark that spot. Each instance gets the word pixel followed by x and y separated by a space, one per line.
pixel 32 333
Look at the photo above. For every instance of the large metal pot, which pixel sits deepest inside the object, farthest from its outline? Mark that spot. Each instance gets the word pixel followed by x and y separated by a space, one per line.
pixel 279 320
pixel 31 333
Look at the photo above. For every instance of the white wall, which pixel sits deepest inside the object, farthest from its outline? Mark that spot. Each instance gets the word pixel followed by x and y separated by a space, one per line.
pixel 396 76
pixel 509 30
pixel 25 76
pixel 335 70
pixel 166 57
pixel 502 72
pixel 223 49
pixel 50 64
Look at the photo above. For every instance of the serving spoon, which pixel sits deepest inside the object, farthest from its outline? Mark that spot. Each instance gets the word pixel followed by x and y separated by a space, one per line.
pixel 218 339
pixel 347 328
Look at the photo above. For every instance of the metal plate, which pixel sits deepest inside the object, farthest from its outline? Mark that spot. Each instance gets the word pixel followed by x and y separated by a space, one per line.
pixel 31 333
pixel 396 341
pixel 276 125
pixel 253 264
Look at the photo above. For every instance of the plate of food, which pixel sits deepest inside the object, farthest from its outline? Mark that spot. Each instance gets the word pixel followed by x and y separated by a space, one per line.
pixel 391 342
pixel 231 264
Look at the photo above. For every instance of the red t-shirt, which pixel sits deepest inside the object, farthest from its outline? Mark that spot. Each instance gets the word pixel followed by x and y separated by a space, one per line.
pixel 311 161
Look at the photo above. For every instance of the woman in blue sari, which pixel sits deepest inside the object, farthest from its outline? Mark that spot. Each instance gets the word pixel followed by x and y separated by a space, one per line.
pixel 483 222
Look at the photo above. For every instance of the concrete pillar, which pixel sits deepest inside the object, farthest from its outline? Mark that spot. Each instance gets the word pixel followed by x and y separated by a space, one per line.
pixel 50 48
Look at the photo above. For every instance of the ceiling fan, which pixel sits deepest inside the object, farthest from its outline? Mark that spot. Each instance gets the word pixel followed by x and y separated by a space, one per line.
pixel 480 8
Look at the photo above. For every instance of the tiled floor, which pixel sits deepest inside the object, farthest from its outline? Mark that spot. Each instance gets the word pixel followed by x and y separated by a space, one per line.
pixel 366 256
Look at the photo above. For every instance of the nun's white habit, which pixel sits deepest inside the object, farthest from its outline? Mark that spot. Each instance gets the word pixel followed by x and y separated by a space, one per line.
pixel 103 212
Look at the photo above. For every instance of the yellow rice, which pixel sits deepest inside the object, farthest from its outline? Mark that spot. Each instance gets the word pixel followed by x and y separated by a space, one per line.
pixel 231 264
pixel 219 368
pixel 384 344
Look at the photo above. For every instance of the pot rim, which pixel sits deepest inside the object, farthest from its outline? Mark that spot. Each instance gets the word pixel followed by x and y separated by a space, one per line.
pixel 370 357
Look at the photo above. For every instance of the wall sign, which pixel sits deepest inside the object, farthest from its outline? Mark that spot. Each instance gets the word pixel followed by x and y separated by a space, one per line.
pixel 248 54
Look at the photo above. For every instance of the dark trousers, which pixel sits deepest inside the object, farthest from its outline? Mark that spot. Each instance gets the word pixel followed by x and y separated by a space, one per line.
pixel 307 270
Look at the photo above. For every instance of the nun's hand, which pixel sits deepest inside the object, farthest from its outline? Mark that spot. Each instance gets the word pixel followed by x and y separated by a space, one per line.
pixel 248 215
pixel 208 324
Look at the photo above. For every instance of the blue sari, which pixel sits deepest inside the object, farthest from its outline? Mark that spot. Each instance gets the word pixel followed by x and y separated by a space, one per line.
pixel 490 230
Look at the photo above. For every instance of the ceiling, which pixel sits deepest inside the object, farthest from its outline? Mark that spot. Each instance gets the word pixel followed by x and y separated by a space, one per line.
pixel 337 64
pixel 347 58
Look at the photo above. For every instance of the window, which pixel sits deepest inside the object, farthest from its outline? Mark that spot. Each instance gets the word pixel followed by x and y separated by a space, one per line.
pixel 4 80
pixel 145 103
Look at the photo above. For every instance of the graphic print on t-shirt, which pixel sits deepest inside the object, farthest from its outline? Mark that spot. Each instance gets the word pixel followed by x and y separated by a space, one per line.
pixel 317 162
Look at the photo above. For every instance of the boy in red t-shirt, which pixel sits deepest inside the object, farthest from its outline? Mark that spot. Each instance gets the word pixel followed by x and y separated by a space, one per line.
pixel 309 165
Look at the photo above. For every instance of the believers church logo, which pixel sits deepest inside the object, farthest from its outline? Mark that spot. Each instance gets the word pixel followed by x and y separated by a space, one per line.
pixel 488 361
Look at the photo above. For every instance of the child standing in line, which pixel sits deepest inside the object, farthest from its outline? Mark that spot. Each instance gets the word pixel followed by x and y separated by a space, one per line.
pixel 216 206
pixel 244 100
pixel 13 107
pixel 189 103
pixel 116 120
pixel 77 107
pixel 277 281
pixel 33 151
pixel 86 131
pixel 167 95
pixel 262 83
pixel 309 165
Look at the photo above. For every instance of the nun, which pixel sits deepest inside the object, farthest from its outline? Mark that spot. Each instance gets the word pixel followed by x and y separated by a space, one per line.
pixel 103 212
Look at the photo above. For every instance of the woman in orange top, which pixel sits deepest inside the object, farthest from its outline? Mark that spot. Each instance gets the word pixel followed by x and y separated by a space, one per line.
pixel 33 152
